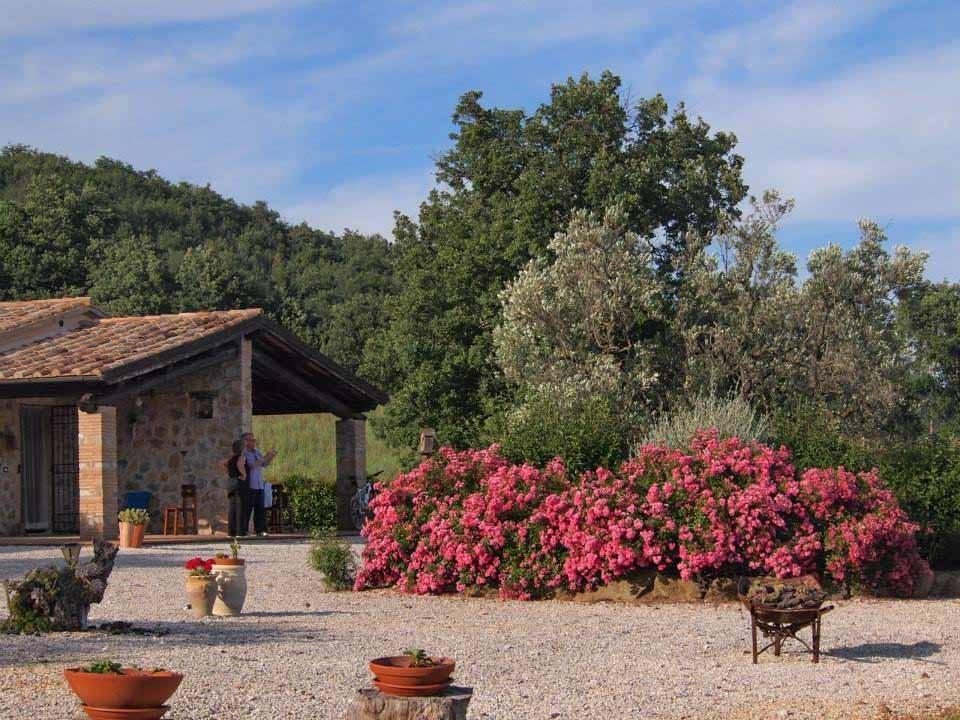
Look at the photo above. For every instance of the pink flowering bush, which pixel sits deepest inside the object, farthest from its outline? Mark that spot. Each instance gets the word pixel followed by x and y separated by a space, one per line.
pixel 468 521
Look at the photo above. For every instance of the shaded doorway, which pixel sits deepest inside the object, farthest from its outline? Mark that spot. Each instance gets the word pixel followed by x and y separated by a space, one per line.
pixel 50 468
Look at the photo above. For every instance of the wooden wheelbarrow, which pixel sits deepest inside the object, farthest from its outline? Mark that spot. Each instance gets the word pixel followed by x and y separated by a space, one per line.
pixel 780 625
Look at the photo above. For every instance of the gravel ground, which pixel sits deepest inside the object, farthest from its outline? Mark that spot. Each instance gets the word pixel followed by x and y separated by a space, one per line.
pixel 298 652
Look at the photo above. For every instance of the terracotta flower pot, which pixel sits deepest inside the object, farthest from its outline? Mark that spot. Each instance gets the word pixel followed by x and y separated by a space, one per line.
pixel 131 536
pixel 128 689
pixel 229 561
pixel 201 593
pixel 152 713
pixel 231 588
pixel 396 676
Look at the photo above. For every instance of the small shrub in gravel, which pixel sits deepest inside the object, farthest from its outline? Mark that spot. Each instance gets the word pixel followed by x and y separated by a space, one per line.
pixel 333 557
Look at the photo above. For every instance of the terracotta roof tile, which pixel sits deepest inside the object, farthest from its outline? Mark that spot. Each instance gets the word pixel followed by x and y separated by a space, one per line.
pixel 106 344
pixel 14 315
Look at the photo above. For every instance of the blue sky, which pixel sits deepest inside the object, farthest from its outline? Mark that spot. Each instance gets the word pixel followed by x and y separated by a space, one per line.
pixel 332 112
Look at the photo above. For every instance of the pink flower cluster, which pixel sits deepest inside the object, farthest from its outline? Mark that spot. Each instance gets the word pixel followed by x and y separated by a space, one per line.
pixel 467 521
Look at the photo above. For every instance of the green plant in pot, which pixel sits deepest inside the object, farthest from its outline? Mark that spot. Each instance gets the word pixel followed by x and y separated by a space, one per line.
pixel 108 689
pixel 133 525
pixel 415 673
pixel 230 572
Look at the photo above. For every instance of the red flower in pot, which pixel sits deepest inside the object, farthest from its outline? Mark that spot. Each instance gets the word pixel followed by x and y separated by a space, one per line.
pixel 201 586
pixel 198 566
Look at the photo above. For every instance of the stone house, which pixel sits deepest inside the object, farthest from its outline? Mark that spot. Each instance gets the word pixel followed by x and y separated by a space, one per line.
pixel 93 406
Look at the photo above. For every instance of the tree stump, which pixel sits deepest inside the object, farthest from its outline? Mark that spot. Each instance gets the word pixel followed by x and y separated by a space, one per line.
pixel 59 597
pixel 371 704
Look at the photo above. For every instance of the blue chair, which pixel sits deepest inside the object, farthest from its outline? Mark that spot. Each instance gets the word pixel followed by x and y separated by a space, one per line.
pixel 137 500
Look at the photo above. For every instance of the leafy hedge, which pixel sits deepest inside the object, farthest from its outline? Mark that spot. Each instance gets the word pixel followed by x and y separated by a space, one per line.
pixel 924 473
pixel 466 520
pixel 588 432
pixel 313 503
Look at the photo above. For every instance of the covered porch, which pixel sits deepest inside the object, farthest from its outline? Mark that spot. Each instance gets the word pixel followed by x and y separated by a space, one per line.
pixel 151 404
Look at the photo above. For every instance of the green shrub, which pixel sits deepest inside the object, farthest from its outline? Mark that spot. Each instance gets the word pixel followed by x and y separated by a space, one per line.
pixel 924 473
pixel 731 416
pixel 333 557
pixel 25 621
pixel 134 515
pixel 815 438
pixel 587 434
pixel 312 502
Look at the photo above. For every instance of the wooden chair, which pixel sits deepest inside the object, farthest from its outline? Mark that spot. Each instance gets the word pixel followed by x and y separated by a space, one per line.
pixel 184 517
pixel 280 515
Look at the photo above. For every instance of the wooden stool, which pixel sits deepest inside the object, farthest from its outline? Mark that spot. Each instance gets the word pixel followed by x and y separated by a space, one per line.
pixel 188 504
pixel 184 517
pixel 176 514
pixel 280 515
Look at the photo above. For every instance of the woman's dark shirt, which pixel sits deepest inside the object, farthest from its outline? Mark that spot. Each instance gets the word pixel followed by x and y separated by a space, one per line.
pixel 233 473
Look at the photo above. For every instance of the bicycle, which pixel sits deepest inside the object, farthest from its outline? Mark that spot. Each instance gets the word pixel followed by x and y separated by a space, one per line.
pixel 360 502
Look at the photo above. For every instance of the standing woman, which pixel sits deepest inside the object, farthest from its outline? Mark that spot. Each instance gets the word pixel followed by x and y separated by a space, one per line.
pixel 237 490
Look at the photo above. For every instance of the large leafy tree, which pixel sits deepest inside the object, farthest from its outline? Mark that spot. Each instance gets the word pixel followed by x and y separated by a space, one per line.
pixel 508 184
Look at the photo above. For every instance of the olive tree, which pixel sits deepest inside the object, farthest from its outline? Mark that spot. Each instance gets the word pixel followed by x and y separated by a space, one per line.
pixel 577 329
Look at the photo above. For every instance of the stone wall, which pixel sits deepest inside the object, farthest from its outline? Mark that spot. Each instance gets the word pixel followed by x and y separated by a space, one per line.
pixel 9 467
pixel 163 443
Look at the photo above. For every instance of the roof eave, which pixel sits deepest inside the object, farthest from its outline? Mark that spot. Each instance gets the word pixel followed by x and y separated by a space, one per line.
pixel 378 396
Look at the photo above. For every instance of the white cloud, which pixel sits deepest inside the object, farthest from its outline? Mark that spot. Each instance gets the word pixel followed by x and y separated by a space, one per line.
pixel 871 141
pixel 365 204
pixel 536 23
pixel 50 17
pixel 786 38
pixel 197 129
pixel 173 105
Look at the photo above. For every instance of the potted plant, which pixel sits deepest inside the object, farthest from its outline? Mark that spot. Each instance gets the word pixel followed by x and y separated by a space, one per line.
pixel 201 586
pixel 133 524
pixel 108 690
pixel 230 572
pixel 412 674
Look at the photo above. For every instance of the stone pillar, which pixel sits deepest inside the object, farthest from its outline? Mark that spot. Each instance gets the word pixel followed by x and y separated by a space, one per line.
pixel 351 465
pixel 246 385
pixel 99 486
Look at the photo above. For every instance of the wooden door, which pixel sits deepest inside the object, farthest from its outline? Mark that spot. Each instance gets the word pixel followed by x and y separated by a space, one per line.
pixel 36 470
